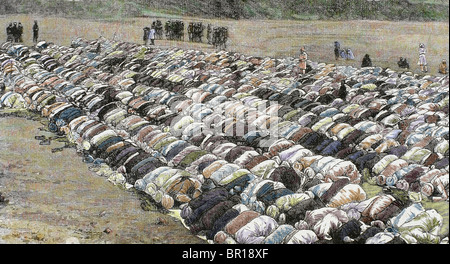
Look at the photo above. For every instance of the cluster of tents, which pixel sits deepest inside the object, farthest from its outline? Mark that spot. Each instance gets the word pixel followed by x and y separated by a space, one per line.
pixel 247 150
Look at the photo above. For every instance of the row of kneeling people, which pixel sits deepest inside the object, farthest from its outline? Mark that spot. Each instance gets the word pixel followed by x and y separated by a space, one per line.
pixel 427 122
pixel 404 162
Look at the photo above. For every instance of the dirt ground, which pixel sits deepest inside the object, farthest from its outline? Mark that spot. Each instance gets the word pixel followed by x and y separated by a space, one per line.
pixel 54 197
pixel 384 41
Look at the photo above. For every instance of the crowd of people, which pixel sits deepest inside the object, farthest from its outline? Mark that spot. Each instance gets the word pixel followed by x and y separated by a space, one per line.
pixel 174 30
pixel 251 157
pixel 219 37
pixel 14 32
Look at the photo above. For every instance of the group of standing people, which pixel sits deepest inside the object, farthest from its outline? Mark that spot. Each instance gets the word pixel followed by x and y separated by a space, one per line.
pixel 159 30
pixel 216 36
pixel 219 37
pixel 14 32
pixel 195 31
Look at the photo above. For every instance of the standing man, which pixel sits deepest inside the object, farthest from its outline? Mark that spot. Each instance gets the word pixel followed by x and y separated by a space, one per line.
pixel 15 32
pixel 151 36
pixel 35 32
pixel 208 33
pixel 20 31
pixel 98 49
pixel 145 38
pixel 302 63
pixel 422 59
pixel 9 33
pixel 191 31
pixel 159 29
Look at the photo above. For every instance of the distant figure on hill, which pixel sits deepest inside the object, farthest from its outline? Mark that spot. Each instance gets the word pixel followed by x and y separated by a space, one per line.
pixel 366 62
pixel 302 60
pixel 35 32
pixel 403 63
pixel 422 58
pixel 337 48
pixel 443 68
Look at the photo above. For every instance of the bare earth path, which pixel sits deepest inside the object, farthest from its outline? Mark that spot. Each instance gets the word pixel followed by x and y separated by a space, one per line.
pixel 55 198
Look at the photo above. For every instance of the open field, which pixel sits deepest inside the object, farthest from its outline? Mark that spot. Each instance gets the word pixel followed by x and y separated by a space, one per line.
pixel 384 41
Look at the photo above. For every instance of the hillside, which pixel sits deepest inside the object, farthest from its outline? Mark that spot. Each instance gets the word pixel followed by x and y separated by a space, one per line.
pixel 410 10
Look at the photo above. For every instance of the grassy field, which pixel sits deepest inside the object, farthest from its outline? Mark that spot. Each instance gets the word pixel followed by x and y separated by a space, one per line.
pixel 384 41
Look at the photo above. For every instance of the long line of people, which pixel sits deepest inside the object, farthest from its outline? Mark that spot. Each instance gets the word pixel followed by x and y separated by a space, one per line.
pixel 270 187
